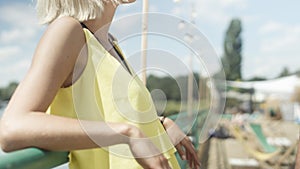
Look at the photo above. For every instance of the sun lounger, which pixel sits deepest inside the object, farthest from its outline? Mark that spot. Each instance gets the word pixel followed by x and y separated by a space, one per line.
pixel 262 139
pixel 259 155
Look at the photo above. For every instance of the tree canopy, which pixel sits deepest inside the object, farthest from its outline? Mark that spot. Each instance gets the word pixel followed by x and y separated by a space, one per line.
pixel 6 92
pixel 173 88
pixel 232 51
pixel 285 72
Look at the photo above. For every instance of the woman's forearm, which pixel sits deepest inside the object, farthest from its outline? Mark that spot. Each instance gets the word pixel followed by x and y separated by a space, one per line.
pixel 298 157
pixel 51 132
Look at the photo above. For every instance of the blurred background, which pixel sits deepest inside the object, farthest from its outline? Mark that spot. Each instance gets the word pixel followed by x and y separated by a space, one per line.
pixel 255 41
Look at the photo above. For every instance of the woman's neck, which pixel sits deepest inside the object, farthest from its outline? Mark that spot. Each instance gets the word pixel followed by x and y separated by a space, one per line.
pixel 100 26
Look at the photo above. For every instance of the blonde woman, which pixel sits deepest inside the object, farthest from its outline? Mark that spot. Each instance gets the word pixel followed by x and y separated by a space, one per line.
pixel 65 101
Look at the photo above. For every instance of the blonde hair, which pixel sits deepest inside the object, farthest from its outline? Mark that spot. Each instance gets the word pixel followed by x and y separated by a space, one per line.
pixel 82 10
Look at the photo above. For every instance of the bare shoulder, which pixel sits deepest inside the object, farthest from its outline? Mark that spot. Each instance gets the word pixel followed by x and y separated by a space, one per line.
pixel 53 62
pixel 66 24
pixel 63 38
pixel 60 47
pixel 66 29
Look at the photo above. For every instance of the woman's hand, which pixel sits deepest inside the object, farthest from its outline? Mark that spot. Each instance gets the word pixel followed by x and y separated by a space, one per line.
pixel 182 143
pixel 145 152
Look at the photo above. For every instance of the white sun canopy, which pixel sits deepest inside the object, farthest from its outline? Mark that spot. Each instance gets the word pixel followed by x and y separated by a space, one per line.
pixel 284 85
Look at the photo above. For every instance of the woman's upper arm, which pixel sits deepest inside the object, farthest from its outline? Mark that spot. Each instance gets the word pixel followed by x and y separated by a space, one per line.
pixel 53 62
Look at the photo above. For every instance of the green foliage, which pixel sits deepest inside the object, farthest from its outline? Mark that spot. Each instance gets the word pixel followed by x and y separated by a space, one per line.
pixel 1 93
pixel 257 79
pixel 297 73
pixel 231 102
pixel 173 107
pixel 175 90
pixel 232 51
pixel 7 92
pixel 166 84
pixel 285 72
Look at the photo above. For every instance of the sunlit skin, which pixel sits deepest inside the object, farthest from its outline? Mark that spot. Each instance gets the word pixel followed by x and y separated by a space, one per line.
pixel 25 124
pixel 298 157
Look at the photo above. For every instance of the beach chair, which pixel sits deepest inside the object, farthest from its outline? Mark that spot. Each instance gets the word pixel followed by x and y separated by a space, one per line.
pixel 262 156
pixel 285 153
pixel 269 152
pixel 256 128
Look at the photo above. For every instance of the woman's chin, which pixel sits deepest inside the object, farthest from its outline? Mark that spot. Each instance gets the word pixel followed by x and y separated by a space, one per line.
pixel 126 1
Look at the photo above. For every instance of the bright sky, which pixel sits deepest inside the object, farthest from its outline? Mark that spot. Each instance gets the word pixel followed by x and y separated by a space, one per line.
pixel 271 32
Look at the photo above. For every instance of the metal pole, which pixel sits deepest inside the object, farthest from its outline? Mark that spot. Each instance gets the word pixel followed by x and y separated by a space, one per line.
pixel 144 40
pixel 190 88
pixel 200 89
pixel 191 75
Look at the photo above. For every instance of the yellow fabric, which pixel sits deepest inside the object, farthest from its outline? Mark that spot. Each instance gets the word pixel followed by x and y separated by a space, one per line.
pixel 106 91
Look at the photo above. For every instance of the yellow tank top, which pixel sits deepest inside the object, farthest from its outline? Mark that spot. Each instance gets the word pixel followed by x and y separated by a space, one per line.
pixel 106 91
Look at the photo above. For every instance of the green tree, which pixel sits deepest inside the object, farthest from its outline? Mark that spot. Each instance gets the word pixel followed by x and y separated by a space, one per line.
pixel 285 72
pixel 167 84
pixel 297 73
pixel 257 78
pixel 232 51
pixel 174 89
pixel 7 92
pixel 1 94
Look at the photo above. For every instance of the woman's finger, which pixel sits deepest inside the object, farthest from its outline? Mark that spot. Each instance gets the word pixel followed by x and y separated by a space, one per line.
pixel 191 153
pixel 189 159
pixel 188 145
pixel 165 163
pixel 180 151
